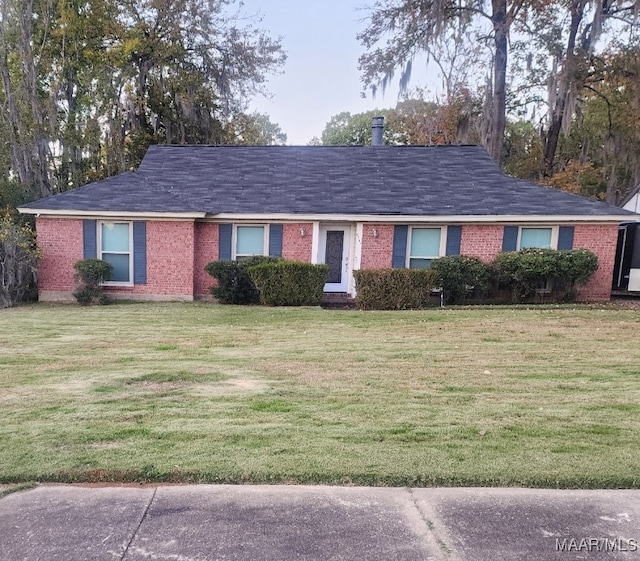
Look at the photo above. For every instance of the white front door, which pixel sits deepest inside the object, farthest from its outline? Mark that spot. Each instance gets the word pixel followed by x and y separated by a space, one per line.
pixel 333 250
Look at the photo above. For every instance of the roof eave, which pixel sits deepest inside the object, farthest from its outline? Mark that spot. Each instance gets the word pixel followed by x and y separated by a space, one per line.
pixel 439 219
pixel 66 213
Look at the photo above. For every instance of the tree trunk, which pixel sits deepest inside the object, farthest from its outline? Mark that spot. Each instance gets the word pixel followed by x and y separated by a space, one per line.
pixel 71 152
pixel 20 152
pixel 563 90
pixel 29 77
pixel 498 105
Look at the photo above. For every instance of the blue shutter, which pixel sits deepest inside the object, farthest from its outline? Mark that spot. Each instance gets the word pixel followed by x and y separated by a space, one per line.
pixel 89 240
pixel 140 253
pixel 275 240
pixel 510 238
pixel 226 231
pixel 399 257
pixel 565 237
pixel 454 236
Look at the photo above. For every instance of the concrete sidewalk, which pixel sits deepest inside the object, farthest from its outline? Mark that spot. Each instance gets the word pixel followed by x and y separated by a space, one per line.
pixel 286 523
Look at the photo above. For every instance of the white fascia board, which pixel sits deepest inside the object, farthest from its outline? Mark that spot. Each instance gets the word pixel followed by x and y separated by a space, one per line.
pixel 97 214
pixel 412 219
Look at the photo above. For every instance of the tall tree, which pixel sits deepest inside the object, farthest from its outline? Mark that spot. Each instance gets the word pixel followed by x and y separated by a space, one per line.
pixel 416 26
pixel 576 65
pixel 86 85
pixel 20 62
pixel 600 154
pixel 191 67
pixel 79 61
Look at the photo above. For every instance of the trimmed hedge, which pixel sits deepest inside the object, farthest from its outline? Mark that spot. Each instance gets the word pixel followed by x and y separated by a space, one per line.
pixel 394 289
pixel 529 270
pixel 462 277
pixel 289 283
pixel 234 282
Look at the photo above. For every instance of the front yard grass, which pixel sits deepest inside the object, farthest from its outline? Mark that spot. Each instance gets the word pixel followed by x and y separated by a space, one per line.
pixel 542 397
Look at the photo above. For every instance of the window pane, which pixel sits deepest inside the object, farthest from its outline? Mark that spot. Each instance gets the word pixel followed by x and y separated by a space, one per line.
pixel 535 237
pixel 420 263
pixel 250 240
pixel 120 263
pixel 425 242
pixel 115 237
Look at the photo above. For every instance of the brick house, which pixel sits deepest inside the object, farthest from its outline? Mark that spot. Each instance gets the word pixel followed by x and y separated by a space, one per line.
pixel 353 207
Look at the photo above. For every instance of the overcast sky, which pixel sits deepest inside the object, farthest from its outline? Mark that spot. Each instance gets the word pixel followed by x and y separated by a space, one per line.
pixel 321 76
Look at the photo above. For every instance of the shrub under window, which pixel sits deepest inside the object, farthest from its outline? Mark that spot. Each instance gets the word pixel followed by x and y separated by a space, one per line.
pixel 234 282
pixel 394 289
pixel 92 273
pixel 528 271
pixel 462 277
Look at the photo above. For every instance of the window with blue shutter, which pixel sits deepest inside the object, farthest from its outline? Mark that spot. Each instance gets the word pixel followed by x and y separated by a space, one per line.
pixel 454 238
pixel 275 240
pixel 225 241
pixel 89 241
pixel 140 253
pixel 123 244
pixel 565 237
pixel 399 256
pixel 510 238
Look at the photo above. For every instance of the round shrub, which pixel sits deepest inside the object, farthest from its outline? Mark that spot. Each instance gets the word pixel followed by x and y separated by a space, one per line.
pixel 93 272
pixel 235 285
pixel 462 277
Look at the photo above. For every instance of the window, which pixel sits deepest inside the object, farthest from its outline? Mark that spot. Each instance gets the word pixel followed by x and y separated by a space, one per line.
pixel 250 240
pixel 115 247
pixel 536 237
pixel 425 245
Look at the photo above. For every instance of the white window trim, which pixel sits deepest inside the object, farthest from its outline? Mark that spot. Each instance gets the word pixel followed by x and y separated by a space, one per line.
pixel 234 240
pixel 99 250
pixel 555 230
pixel 443 242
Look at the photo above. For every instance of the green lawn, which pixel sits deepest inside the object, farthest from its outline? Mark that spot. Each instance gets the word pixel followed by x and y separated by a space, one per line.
pixel 198 392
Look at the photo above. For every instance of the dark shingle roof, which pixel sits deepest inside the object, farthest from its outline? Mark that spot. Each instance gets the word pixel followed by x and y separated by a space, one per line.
pixel 131 192
pixel 380 180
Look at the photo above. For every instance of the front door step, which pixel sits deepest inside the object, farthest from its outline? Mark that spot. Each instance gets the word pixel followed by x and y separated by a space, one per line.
pixel 337 300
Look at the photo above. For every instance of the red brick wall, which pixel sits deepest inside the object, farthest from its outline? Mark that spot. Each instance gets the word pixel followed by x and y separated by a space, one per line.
pixel 170 258
pixel 178 251
pixel 207 250
pixel 377 251
pixel 294 246
pixel 60 241
pixel 601 239
pixel 483 241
